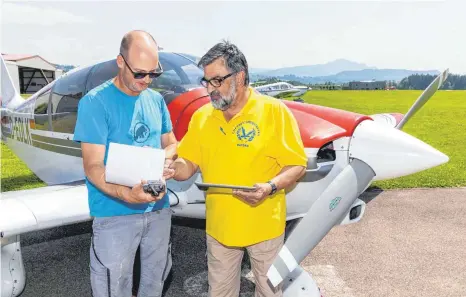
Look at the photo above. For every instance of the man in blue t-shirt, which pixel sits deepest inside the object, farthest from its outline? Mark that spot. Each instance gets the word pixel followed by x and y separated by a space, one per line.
pixel 123 110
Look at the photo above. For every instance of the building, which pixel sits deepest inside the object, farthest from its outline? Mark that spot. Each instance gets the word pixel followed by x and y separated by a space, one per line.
pixel 368 85
pixel 30 73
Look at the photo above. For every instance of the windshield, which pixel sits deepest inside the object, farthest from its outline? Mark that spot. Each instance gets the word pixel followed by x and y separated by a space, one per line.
pixel 179 75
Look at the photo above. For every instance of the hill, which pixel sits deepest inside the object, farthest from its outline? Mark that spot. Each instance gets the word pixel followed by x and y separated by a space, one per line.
pixel 338 71
pixel 329 68
pixel 370 74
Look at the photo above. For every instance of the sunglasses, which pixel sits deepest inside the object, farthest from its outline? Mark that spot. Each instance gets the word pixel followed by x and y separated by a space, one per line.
pixel 141 75
pixel 216 81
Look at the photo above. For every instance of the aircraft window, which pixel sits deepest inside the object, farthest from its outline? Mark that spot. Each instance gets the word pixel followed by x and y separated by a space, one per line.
pixel 41 112
pixel 64 101
pixel 179 75
pixel 193 72
pixel 101 73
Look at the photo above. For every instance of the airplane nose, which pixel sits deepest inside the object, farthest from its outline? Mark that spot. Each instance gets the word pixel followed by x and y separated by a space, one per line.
pixel 391 152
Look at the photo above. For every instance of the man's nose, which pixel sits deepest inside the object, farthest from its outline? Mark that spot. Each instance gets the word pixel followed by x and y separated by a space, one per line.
pixel 147 79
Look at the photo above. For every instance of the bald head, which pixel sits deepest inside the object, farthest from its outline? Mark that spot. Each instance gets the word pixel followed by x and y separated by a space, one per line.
pixel 139 55
pixel 142 40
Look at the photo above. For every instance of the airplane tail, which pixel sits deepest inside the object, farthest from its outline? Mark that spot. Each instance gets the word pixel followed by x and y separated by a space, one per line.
pixel 9 96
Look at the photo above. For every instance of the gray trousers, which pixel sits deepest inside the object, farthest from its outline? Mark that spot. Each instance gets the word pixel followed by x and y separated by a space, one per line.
pixel 113 248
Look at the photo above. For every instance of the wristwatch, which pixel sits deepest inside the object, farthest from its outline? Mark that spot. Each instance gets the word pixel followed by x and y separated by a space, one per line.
pixel 274 187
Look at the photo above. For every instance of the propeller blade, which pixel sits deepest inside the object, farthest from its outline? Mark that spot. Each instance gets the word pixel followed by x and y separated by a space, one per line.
pixel 428 92
pixel 329 209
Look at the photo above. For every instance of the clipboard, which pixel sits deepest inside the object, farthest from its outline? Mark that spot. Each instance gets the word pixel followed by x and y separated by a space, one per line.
pixel 206 186
pixel 127 164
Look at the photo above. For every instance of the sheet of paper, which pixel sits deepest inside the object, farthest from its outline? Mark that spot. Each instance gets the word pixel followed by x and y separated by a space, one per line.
pixel 128 165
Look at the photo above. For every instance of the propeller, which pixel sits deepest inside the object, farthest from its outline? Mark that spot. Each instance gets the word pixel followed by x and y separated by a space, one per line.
pixel 428 92
pixel 329 209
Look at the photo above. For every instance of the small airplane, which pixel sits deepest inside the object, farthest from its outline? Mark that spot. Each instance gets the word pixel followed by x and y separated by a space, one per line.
pixel 282 89
pixel 346 152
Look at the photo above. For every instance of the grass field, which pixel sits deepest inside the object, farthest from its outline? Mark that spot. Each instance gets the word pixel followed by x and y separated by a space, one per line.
pixel 440 123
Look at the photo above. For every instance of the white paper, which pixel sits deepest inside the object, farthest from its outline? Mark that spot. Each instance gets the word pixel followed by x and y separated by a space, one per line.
pixel 127 165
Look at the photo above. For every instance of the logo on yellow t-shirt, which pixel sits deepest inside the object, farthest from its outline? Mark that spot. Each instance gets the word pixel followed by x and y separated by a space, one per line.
pixel 246 132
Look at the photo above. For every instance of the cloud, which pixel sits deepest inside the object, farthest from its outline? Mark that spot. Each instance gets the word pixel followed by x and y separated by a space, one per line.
pixel 14 13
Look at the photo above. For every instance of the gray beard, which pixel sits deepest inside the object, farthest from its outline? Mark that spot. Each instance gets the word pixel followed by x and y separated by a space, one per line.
pixel 225 102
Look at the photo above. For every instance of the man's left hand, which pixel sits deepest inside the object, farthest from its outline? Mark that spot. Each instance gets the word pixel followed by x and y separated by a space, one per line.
pixel 254 197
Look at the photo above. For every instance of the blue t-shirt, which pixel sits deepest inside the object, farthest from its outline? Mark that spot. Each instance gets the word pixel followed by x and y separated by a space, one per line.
pixel 105 115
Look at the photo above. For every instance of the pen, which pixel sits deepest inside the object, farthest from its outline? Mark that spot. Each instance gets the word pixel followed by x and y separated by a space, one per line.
pixel 221 129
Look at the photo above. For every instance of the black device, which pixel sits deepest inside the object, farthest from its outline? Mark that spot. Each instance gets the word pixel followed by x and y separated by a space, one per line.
pixel 154 187
pixel 206 186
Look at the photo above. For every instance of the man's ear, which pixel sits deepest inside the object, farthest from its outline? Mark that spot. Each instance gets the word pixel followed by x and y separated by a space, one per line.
pixel 120 62
pixel 240 78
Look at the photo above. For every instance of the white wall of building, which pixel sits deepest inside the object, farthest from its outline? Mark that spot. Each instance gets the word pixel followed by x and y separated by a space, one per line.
pixel 14 74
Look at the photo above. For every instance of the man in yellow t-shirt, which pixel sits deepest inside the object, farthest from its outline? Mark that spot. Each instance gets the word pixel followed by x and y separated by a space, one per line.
pixel 247 139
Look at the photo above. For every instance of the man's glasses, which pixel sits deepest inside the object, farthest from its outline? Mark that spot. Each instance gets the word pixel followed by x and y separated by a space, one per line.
pixel 216 81
pixel 141 75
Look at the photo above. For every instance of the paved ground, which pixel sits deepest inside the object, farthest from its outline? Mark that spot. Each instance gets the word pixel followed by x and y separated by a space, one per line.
pixel 410 243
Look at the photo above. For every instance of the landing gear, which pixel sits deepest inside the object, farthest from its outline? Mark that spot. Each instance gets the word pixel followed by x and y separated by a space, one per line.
pixel 300 283
pixel 12 274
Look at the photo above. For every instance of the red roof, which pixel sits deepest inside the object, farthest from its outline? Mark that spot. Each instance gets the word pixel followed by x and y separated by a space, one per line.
pixel 9 57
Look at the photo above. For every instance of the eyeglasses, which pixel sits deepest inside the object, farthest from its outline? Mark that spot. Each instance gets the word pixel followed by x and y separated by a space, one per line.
pixel 216 81
pixel 141 75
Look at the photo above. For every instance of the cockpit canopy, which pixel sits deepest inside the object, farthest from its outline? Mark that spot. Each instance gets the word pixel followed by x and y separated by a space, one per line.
pixel 56 107
pixel 180 74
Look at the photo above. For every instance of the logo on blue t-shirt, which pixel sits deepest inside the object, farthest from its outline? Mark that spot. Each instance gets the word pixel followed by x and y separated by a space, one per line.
pixel 141 132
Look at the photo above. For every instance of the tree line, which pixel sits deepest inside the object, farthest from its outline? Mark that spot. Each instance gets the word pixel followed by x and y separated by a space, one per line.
pixel 421 81
pixel 412 82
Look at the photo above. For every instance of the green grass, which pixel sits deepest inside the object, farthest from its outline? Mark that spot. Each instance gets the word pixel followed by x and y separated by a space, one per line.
pixel 15 174
pixel 440 123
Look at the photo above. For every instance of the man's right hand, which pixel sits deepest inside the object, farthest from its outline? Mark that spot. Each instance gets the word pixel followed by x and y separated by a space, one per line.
pixel 137 195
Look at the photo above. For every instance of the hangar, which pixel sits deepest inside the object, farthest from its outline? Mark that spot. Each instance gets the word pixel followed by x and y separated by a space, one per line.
pixel 30 72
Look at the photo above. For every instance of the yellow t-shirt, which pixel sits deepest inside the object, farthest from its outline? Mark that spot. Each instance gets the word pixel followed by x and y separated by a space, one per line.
pixel 251 148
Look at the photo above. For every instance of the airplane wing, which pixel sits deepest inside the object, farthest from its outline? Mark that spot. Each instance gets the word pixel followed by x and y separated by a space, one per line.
pixel 42 208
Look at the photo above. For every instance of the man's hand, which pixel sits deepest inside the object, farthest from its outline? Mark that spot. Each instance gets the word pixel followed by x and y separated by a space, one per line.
pixel 168 172
pixel 254 197
pixel 137 195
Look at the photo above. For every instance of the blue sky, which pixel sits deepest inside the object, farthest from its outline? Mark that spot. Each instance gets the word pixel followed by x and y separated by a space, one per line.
pixel 418 35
